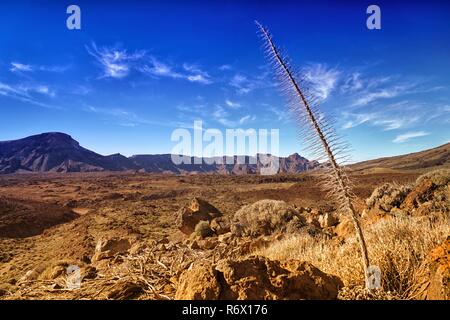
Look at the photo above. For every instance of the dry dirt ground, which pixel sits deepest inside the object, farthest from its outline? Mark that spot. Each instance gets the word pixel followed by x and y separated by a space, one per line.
pixel 49 218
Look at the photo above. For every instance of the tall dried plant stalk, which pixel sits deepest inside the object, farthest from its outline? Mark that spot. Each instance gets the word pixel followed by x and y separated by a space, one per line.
pixel 323 142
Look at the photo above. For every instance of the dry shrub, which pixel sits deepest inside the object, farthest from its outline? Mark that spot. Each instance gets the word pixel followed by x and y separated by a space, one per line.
pixel 397 246
pixel 203 229
pixel 263 217
pixel 440 177
pixel 388 196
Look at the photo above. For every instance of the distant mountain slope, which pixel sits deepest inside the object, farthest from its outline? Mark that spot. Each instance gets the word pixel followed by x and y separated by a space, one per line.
pixel 52 151
pixel 59 152
pixel 439 156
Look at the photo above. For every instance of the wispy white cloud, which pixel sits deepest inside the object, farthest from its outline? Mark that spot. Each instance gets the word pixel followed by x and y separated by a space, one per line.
pixel 123 117
pixel 383 120
pixel 189 72
pixel 232 105
pixel 199 78
pixel 225 67
pixel 28 93
pixel 116 63
pixel 222 116
pixel 384 93
pixel 323 79
pixel 159 69
pixel 409 135
pixel 247 118
pixel 241 83
pixel 18 67
pixel 352 83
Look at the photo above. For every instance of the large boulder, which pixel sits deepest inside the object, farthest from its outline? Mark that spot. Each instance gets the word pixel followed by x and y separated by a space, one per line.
pixel 198 210
pixel 256 278
pixel 433 277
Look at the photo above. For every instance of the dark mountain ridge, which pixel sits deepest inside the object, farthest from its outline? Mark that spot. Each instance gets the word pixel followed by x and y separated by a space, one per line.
pixel 59 152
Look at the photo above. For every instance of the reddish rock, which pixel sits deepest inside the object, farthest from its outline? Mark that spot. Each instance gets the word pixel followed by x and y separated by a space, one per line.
pixel 257 278
pixel 433 280
pixel 418 195
pixel 198 210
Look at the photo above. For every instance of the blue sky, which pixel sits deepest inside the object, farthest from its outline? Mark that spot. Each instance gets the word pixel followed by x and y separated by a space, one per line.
pixel 137 70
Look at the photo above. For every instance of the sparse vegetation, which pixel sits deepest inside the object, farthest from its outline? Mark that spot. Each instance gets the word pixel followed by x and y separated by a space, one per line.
pixel 319 135
pixel 387 196
pixel 440 177
pixel 263 218
pixel 397 246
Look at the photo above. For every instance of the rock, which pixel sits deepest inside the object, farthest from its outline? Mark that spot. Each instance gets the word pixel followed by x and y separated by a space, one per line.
pixel 199 282
pixel 208 244
pixel 57 271
pixel 419 194
pixel 30 275
pixel 433 280
pixel 107 248
pixel 345 228
pixel 198 210
pixel 257 278
pixel 90 273
pixel 194 245
pixel 124 290
pixel 328 220
pixel 220 225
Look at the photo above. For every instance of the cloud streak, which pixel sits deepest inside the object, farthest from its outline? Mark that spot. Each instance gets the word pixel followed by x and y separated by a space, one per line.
pixel 409 135
pixel 118 64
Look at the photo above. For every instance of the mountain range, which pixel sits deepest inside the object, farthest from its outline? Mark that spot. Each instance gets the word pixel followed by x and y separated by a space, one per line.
pixel 59 152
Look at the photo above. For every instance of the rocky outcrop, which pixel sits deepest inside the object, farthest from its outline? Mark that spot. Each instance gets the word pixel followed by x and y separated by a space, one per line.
pixel 198 210
pixel 433 277
pixel 256 278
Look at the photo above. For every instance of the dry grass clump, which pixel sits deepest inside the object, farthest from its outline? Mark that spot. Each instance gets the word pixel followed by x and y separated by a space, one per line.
pixel 397 246
pixel 263 217
pixel 440 177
